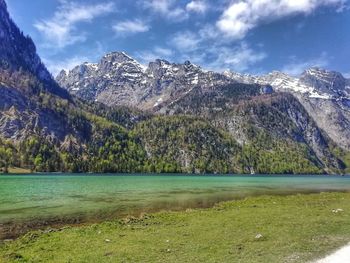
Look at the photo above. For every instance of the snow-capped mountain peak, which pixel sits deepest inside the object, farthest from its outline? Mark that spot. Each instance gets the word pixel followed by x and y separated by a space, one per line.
pixel 314 82
pixel 118 71
pixel 325 81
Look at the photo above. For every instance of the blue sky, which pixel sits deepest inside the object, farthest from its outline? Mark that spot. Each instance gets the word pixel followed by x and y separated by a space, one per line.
pixel 253 36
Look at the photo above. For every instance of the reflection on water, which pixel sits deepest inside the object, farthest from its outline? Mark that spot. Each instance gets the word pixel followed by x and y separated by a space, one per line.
pixel 75 199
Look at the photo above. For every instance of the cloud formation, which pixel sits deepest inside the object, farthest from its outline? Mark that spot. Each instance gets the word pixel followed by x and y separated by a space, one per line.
pixel 243 15
pixel 167 9
pixel 197 6
pixel 209 35
pixel 131 27
pixel 156 53
pixel 60 30
pixel 239 58
pixel 185 41
pixel 199 48
pixel 56 66
pixel 296 67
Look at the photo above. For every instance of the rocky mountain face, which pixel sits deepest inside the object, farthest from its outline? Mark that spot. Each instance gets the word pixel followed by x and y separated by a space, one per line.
pixel 246 114
pixel 24 81
pixel 119 79
pixel 18 56
pixel 311 110
pixel 324 94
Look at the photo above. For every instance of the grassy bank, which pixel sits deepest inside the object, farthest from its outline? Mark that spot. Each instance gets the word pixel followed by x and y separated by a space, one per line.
pixel 15 170
pixel 293 229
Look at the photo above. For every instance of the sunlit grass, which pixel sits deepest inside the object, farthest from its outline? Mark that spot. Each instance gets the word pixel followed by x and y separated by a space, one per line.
pixel 295 228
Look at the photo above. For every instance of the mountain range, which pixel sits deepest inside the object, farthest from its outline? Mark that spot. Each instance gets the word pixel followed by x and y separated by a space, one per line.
pixel 121 116
pixel 119 79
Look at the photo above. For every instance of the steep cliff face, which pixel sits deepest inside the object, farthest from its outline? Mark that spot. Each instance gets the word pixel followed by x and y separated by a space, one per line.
pixel 113 80
pixel 245 111
pixel 18 56
pixel 312 110
pixel 120 80
pixel 24 85
pixel 324 94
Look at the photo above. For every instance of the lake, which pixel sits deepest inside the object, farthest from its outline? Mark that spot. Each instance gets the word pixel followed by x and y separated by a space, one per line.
pixel 73 199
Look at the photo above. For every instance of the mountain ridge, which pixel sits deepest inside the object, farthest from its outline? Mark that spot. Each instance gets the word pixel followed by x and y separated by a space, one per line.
pixel 163 83
pixel 304 81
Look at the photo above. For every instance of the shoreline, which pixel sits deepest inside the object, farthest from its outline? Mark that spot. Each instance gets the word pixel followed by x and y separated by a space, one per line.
pixel 254 229
pixel 171 174
pixel 17 229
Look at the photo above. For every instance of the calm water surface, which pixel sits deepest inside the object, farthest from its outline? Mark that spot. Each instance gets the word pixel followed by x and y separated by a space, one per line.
pixel 41 197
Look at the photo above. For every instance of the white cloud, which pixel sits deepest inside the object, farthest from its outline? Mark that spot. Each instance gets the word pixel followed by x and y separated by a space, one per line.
pixel 243 15
pixel 60 30
pixel 185 41
pixel 239 58
pixel 347 75
pixel 163 52
pixel 197 6
pixel 206 48
pixel 296 67
pixel 55 64
pixel 131 27
pixel 166 8
pixel 156 53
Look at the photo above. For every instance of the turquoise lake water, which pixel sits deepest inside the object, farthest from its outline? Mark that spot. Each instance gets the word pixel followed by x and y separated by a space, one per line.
pixel 40 197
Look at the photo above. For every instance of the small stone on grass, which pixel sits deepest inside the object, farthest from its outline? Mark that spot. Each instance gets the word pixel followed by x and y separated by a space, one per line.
pixel 259 236
pixel 337 210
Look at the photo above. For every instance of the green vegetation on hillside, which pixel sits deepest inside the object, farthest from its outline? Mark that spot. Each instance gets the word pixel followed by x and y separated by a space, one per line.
pixel 256 229
pixel 87 137
pixel 344 156
pixel 172 144
pixel 266 155
pixel 187 144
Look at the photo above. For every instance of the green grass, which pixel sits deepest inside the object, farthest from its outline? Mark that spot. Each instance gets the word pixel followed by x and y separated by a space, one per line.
pixel 295 228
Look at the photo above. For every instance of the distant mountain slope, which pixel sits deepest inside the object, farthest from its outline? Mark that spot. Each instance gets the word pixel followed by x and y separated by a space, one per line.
pixel 324 94
pixel 312 111
pixel 246 113
pixel 18 58
pixel 25 85
pixel 119 79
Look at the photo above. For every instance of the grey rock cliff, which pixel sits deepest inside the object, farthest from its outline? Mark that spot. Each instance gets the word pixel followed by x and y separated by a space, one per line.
pixel 120 80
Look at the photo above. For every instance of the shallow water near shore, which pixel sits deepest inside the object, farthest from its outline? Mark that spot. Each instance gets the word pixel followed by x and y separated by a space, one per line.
pixel 71 198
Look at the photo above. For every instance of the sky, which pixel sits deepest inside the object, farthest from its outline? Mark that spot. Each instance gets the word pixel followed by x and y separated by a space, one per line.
pixel 247 36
